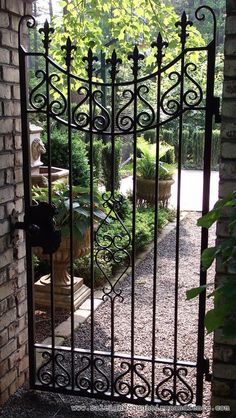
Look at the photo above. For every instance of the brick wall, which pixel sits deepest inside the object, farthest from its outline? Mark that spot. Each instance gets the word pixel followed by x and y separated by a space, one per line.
pixel 13 304
pixel 224 353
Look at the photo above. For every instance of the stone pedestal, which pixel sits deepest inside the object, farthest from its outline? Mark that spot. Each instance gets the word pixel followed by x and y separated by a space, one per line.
pixel 62 294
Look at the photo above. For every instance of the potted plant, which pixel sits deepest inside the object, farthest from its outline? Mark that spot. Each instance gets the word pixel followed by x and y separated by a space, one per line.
pixel 146 166
pixel 81 232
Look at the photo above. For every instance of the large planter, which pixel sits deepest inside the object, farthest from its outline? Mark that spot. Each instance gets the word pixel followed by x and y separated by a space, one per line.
pixel 146 190
pixel 61 258
pixel 61 277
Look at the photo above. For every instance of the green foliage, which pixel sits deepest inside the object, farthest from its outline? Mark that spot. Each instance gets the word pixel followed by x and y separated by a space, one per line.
pixel 82 268
pixel 223 314
pixel 80 207
pixel 215 153
pixel 192 146
pixel 146 164
pixel 120 24
pixel 108 168
pixel 150 136
pixel 197 147
pixel 97 156
pixel 60 154
pixel 144 229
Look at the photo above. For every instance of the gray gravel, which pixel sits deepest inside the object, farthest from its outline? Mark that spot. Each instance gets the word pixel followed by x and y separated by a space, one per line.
pixel 27 404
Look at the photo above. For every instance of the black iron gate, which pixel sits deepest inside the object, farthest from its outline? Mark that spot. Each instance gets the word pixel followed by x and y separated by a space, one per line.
pixel 144 104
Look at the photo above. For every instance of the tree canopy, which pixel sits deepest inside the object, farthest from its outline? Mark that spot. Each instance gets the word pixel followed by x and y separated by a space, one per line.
pixel 119 24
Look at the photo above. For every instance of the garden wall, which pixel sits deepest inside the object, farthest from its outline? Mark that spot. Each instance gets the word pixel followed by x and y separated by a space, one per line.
pixel 13 303
pixel 224 364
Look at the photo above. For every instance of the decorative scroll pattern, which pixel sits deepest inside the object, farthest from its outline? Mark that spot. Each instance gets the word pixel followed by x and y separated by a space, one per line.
pixel 89 113
pixel 112 248
pixel 165 391
pixel 45 376
pixel 122 384
pixel 141 389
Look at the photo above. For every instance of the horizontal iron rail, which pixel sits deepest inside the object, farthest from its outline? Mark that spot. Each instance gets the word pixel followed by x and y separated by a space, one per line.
pixel 121 83
pixel 116 355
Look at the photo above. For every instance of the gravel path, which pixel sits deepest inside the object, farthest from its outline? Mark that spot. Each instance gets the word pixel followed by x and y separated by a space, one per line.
pixel 25 403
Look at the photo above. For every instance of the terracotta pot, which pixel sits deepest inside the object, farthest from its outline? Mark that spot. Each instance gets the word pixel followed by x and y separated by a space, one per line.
pixel 146 190
pixel 61 258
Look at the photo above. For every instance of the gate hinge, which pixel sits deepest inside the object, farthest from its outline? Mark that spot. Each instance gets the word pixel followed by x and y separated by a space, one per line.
pixel 206 366
pixel 216 109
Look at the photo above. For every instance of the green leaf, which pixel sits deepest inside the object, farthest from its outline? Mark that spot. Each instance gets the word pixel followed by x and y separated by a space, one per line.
pixel 208 256
pixel 195 291
pixel 82 211
pixel 215 318
pixel 207 220
pixel 99 214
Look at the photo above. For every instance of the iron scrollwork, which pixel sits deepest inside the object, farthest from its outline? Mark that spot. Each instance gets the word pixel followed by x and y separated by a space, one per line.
pixel 165 391
pixel 56 107
pixel 84 383
pixel 122 383
pixel 146 118
pixel 37 98
pixel 169 105
pixel 61 376
pixel 112 248
pixel 193 95
pixel 100 385
pixel 44 373
pixel 124 120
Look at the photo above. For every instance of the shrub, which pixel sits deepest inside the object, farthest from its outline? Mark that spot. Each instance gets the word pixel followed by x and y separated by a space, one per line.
pixel 97 156
pixel 150 136
pixel 107 165
pixel 197 147
pixel 60 155
pixel 215 153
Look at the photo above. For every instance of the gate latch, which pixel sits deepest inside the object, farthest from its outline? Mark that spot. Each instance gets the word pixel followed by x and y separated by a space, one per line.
pixel 39 225
pixel 216 109
pixel 207 373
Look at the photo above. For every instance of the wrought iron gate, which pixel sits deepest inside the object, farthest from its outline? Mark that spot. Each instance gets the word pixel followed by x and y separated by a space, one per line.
pixel 145 104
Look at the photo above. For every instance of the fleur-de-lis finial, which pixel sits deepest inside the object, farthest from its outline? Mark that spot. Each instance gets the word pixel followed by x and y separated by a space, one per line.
pixel 90 59
pixel 135 56
pixel 183 23
pixel 68 47
pixel 160 45
pixel 114 62
pixel 46 30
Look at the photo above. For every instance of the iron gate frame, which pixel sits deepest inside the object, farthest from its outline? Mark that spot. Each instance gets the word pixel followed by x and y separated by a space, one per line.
pixel 112 125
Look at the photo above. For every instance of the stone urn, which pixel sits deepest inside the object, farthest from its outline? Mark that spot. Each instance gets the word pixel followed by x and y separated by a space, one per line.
pixel 146 190
pixel 62 279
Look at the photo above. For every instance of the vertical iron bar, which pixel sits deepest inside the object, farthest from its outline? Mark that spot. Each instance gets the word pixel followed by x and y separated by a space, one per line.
pixel 205 209
pixel 134 231
pixel 27 204
pixel 48 130
pixel 112 197
pixel 158 93
pixel 176 300
pixel 91 223
pixel 71 215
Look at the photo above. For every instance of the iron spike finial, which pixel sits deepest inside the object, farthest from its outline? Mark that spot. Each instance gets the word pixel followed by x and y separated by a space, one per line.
pixel 183 23
pixel 136 56
pixel 114 62
pixel 90 59
pixel 68 47
pixel 46 30
pixel 160 45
